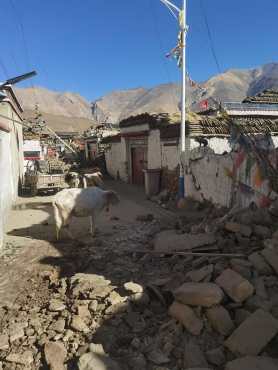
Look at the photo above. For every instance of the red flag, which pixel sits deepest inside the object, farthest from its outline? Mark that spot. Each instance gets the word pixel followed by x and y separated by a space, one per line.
pixel 204 104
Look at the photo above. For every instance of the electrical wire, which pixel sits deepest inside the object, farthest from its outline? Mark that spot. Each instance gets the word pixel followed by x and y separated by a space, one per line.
pixel 4 69
pixel 210 36
pixel 25 46
pixel 160 43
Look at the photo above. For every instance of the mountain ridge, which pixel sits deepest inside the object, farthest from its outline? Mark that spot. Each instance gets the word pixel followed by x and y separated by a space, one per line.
pixel 233 85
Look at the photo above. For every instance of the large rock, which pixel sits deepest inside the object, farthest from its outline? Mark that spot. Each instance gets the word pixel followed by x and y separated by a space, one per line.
pixel 193 356
pixel 199 275
pixel 56 305
pixel 260 264
pixel 238 228
pixel 253 334
pixel 271 256
pixel 78 324
pixel 55 355
pixel 25 358
pixel 220 320
pixel 187 317
pixel 253 363
pixel 92 361
pixel 4 342
pixel 170 241
pixel 238 288
pixel 199 294
pixel 216 356
pixel 82 283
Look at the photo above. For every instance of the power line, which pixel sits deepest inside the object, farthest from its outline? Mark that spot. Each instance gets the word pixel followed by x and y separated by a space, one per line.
pixel 4 69
pixel 210 36
pixel 160 43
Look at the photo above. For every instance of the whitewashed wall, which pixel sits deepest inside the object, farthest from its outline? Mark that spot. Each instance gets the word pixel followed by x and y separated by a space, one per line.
pixel 11 165
pixel 169 155
pixel 207 179
pixel 116 160
pixel 154 150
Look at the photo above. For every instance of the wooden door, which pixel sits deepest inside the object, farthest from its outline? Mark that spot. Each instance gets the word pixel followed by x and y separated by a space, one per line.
pixel 138 164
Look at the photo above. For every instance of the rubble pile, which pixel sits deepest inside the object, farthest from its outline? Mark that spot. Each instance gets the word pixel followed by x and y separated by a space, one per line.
pixel 199 296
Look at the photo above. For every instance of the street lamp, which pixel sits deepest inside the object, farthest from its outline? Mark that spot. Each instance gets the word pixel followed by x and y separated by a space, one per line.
pixel 180 16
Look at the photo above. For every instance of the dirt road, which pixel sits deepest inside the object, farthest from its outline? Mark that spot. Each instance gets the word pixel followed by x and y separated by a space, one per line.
pixel 31 234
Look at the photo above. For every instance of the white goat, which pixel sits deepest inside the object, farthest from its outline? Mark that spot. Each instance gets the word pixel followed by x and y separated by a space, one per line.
pixel 73 179
pixel 81 203
pixel 92 179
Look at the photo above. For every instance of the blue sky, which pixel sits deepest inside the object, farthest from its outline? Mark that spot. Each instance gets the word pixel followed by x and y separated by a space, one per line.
pixel 95 46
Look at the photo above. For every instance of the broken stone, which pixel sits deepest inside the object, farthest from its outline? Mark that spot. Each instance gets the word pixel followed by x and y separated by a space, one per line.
pixel 242 267
pixel 170 241
pixel 187 317
pixel 79 325
pixel 262 232
pixel 55 355
pixel 83 312
pixel 241 315
pixel 260 264
pixel 115 298
pixel 92 361
pixel 93 305
pixel 216 356
pixel 137 362
pixel 238 228
pixel 271 257
pixel 16 332
pixel 193 356
pixel 253 334
pixel 4 342
pixel 199 294
pixel 238 288
pixel 26 358
pixel 199 275
pixel 220 320
pixel 253 363
pixel 133 287
pixel 58 326
pixel 97 349
pixel 157 357
pixel 56 305
pixel 260 288
pixel 82 283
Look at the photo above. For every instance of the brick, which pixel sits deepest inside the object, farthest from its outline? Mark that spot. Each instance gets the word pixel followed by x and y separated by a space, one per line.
pixel 234 227
pixel 253 363
pixel 220 320
pixel 253 334
pixel 199 294
pixel 260 264
pixel 237 288
pixel 193 356
pixel 271 257
pixel 187 317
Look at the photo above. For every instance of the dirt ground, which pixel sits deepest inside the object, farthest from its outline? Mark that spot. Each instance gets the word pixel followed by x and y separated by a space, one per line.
pixel 31 239
pixel 116 302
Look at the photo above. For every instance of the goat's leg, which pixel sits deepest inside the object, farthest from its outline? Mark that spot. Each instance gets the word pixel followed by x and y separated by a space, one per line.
pixel 92 226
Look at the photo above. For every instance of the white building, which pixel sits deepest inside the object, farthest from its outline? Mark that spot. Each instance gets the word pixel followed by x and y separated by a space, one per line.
pixel 11 153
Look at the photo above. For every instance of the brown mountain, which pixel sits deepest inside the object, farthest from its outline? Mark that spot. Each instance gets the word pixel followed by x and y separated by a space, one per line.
pixel 71 112
pixel 233 85
pixel 62 111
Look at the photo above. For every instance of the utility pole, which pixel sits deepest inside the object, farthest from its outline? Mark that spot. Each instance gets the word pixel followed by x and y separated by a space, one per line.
pixel 180 16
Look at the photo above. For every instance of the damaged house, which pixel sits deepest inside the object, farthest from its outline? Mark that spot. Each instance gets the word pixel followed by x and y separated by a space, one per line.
pixel 11 152
pixel 232 155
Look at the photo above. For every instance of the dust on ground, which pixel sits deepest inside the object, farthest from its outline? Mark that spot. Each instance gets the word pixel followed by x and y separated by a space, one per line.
pixel 126 300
